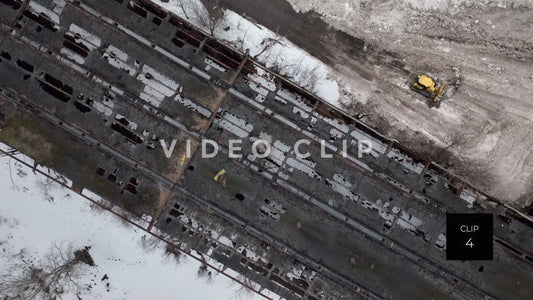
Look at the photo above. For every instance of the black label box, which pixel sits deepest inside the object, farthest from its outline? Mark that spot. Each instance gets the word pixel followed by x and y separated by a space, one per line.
pixel 469 236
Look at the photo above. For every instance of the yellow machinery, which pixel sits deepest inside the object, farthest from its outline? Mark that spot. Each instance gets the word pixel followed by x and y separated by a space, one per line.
pixel 219 174
pixel 426 86
pixel 182 160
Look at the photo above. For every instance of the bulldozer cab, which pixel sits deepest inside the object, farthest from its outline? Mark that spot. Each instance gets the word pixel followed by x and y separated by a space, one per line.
pixel 425 83
pixel 426 86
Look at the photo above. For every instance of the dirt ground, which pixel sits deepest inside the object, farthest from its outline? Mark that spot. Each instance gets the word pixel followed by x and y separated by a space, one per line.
pixel 483 130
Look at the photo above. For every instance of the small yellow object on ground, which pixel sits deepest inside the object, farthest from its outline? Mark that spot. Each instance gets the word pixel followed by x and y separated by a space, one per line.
pixel 182 160
pixel 220 173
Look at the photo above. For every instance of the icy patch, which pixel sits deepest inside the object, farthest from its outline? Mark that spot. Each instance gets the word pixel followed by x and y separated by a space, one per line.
pixel 118 59
pixel 340 185
pixel 84 37
pixel 157 86
pixel 468 196
pixel 338 124
pixel 285 95
pixel 211 64
pixel 441 241
pixel 158 81
pixel 193 106
pixel 405 160
pixel 261 80
pixel 409 222
pixel 278 152
pixel 258 88
pixel 382 211
pixel 72 55
pixel 91 195
pixel 39 9
pixel 131 125
pixel 377 146
pixel 225 241
pixel 394 182
pixel 305 166
pixel 235 125
pixel 105 107
pixel 60 5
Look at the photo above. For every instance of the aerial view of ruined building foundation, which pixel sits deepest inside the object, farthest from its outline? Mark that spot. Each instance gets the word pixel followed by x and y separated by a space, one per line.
pixel 266 149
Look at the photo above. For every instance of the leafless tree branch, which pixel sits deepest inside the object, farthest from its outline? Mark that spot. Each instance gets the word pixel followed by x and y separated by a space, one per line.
pixel 50 278
pixel 183 4
pixel 45 186
pixel 209 14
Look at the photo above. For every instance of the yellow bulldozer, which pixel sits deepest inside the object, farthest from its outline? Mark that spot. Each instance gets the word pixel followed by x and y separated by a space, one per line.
pixel 426 86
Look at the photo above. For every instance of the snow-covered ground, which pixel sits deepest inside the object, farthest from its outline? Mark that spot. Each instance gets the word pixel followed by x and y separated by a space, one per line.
pixel 273 50
pixel 30 223
pixel 486 122
pixel 281 55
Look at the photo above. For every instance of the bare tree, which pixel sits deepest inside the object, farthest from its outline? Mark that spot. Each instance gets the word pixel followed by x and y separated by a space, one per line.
pixel 205 273
pixel 306 76
pixel 183 4
pixel 96 209
pixel 242 41
pixel 172 253
pixel 279 65
pixel 9 152
pixel 50 278
pixel 268 43
pixel 203 270
pixel 208 15
pixel 244 287
pixel 149 242
pixel 45 185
